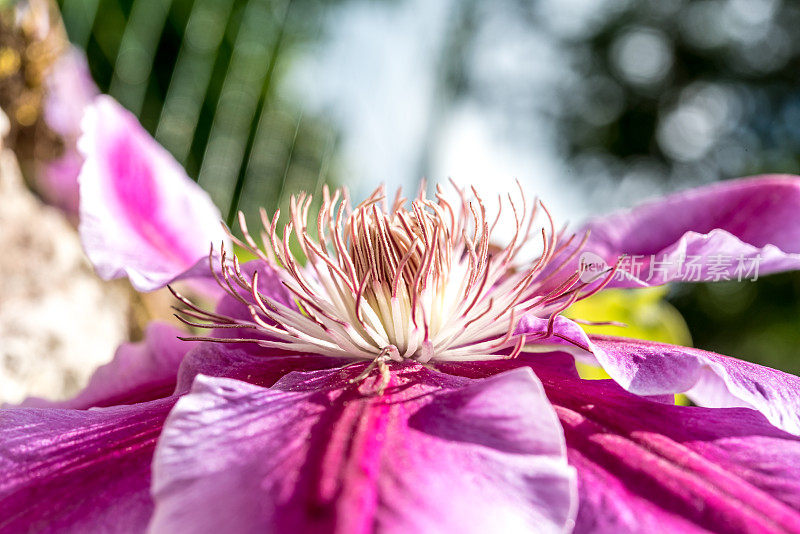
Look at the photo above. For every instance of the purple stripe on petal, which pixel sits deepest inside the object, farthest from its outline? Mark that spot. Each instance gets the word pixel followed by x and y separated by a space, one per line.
pixel 139 372
pixel 713 380
pixel 315 453
pixel 78 471
pixel 141 215
pixel 648 467
pixel 721 224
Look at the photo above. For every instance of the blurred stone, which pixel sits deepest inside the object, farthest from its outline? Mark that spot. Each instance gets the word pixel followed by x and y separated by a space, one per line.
pixel 58 321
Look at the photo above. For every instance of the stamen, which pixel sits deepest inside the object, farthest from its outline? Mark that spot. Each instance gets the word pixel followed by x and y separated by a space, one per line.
pixel 384 283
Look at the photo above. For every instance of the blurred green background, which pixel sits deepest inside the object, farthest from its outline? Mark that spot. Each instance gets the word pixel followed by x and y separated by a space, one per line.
pixel 597 103
pixel 202 76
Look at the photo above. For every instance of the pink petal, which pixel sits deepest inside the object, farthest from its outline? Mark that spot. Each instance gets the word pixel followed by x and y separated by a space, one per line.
pixel 650 467
pixel 712 380
pixel 562 335
pixel 316 454
pixel 77 470
pixel 645 466
pixel 727 226
pixel 253 366
pixel 658 371
pixel 142 371
pixel 141 216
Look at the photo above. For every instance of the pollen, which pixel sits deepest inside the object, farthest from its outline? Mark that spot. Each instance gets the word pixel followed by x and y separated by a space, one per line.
pixel 420 280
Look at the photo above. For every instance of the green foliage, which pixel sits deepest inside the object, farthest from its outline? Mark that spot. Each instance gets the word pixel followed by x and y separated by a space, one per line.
pixel 758 321
pixel 203 76
pixel 644 312
pixel 685 91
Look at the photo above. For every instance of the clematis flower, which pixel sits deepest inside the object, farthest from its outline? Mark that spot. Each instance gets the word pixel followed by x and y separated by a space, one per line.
pixel 409 371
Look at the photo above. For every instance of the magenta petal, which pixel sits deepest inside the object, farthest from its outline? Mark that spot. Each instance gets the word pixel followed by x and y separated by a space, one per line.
pixel 645 466
pixel 78 470
pixel 650 467
pixel 562 335
pixel 142 371
pixel 712 226
pixel 710 379
pixel 227 361
pixel 141 215
pixel 436 453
